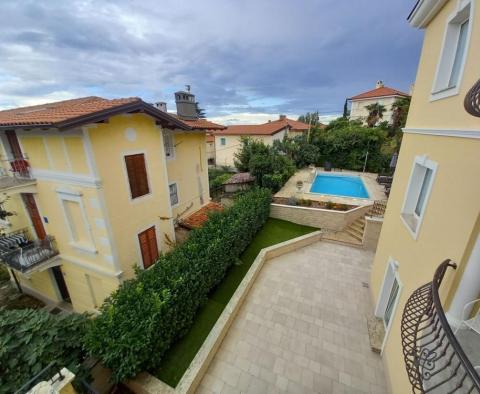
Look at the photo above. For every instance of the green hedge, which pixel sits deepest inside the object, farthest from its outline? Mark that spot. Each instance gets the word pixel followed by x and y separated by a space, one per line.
pixel 31 339
pixel 139 321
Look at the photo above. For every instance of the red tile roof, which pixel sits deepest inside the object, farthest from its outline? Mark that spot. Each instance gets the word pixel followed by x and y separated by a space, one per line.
pixel 268 128
pixel 198 218
pixel 203 124
pixel 75 112
pixel 379 92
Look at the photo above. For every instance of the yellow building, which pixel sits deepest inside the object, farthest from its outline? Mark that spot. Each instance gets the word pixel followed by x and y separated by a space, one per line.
pixel 228 141
pixel 433 215
pixel 97 186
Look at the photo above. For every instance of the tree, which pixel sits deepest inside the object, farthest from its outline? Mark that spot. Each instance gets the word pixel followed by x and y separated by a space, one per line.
pixel 346 112
pixel 249 148
pixel 311 118
pixel 399 113
pixel 375 113
pixel 200 111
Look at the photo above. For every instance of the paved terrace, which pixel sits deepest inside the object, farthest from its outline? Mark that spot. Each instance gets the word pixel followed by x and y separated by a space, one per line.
pixel 302 328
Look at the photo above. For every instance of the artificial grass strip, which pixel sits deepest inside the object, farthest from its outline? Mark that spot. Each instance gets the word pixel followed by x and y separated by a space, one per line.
pixel 180 355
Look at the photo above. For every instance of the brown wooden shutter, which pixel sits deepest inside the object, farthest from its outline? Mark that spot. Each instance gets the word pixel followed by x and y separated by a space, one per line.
pixel 137 175
pixel 148 246
pixel 34 214
pixel 14 144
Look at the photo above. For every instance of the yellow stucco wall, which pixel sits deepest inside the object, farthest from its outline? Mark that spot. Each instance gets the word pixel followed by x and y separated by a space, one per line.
pixel 124 135
pixel 189 170
pixel 445 113
pixel 450 223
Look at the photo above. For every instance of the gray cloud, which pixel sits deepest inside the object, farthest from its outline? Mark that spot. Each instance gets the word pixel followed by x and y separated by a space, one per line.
pixel 254 56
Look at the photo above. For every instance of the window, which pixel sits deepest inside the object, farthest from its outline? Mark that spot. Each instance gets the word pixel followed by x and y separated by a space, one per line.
pixel 454 51
pixel 389 294
pixel 137 175
pixel 418 191
pixel 148 246
pixel 173 194
pixel 223 141
pixel 169 144
pixel 462 42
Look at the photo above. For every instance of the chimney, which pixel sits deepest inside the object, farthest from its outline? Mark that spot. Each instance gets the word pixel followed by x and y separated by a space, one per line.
pixel 282 117
pixel 186 105
pixel 379 84
pixel 161 105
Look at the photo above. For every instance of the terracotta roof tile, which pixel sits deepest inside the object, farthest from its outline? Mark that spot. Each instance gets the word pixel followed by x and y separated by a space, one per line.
pixel 198 218
pixel 268 128
pixel 203 124
pixel 379 92
pixel 73 112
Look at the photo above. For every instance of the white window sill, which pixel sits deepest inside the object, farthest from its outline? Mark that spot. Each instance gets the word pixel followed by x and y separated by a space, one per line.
pixel 444 93
pixel 84 248
pixel 411 223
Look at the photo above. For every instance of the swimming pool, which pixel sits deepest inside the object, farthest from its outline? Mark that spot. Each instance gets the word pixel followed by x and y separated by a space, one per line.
pixel 339 185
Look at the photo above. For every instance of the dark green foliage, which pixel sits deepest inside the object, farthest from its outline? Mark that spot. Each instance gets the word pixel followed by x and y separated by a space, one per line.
pixel 310 118
pixel 140 321
pixel 344 143
pixel 249 149
pixel 31 339
pixel 375 113
pixel 399 113
pixel 270 167
pixel 4 275
pixel 200 111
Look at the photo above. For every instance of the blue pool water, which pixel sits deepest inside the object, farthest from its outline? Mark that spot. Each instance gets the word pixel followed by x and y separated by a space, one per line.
pixel 339 185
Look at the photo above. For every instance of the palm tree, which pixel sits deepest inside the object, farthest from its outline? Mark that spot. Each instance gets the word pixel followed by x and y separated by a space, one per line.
pixel 375 113
pixel 399 112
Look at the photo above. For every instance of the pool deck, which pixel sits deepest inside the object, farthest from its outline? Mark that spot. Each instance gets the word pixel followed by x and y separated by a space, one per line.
pixel 307 175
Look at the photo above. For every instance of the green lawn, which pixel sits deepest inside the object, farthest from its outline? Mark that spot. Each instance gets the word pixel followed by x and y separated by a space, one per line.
pixel 178 358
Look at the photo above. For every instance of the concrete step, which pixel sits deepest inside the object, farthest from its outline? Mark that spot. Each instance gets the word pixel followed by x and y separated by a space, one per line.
pixel 357 226
pixel 342 237
pixel 355 230
pixel 355 234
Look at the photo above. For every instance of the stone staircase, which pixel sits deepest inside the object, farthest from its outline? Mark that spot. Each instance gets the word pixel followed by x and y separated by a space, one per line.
pixel 356 229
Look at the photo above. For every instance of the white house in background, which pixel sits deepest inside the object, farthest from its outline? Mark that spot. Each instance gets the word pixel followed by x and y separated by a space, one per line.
pixel 228 140
pixel 381 94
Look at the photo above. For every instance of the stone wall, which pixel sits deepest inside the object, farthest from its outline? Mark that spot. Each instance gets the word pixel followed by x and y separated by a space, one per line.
pixel 316 217
pixel 371 233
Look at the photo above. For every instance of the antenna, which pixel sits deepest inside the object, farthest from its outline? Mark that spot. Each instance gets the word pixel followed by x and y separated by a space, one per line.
pixel 187 88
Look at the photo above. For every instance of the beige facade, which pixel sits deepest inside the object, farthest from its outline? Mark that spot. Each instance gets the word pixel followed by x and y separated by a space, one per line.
pixel 81 189
pixel 433 210
pixel 358 110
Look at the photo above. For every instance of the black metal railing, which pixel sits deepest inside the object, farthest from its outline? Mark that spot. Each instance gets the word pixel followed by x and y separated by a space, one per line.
pixel 472 100
pixel 434 359
pixel 22 254
pixel 378 208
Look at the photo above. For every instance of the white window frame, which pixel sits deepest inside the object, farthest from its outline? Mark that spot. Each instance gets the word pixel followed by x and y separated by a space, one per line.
pixel 408 215
pixel 178 194
pixel 127 179
pixel 440 89
pixel 138 247
pixel 391 275
pixel 169 136
pixel 76 197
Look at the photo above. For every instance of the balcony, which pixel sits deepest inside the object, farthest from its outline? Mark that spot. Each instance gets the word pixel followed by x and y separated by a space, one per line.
pixel 16 176
pixel 22 254
pixel 436 360
pixel 472 100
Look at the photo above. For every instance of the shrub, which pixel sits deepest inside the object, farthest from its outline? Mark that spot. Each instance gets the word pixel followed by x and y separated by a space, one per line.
pixel 31 339
pixel 140 320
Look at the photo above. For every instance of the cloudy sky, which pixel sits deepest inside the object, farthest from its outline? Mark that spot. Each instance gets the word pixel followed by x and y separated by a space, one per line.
pixel 246 60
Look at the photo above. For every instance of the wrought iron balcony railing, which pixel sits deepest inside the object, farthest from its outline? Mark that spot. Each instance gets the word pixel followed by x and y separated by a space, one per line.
pixel 434 359
pixel 17 168
pixel 19 252
pixel 472 100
